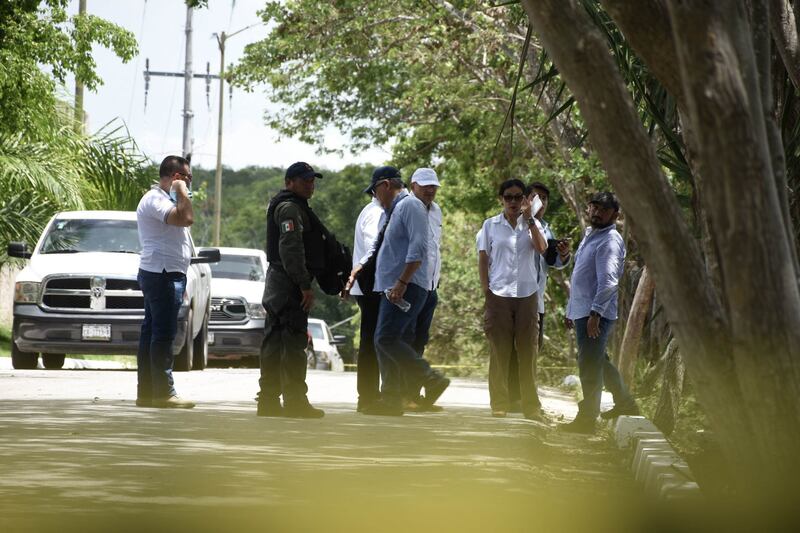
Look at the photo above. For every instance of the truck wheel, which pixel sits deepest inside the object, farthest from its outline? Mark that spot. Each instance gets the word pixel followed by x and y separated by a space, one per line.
pixel 200 348
pixel 22 360
pixel 53 361
pixel 183 361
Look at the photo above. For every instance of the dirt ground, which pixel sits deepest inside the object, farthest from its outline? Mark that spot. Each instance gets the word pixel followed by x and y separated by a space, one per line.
pixel 76 454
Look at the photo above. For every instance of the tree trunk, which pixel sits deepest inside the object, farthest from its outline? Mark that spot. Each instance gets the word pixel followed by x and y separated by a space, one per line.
pixel 629 351
pixel 741 399
pixel 669 401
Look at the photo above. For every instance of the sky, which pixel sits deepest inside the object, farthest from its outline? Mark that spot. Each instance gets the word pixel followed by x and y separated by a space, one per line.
pixel 159 27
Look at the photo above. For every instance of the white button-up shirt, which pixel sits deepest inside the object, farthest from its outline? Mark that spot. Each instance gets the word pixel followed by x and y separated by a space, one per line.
pixel 367 229
pixel 513 261
pixel 543 266
pixel 434 259
pixel 164 246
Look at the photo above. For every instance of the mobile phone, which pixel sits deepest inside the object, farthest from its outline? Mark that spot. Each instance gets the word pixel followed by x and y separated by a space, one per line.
pixel 536 204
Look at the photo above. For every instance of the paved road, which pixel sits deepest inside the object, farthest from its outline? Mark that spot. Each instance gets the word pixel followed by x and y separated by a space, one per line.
pixel 76 454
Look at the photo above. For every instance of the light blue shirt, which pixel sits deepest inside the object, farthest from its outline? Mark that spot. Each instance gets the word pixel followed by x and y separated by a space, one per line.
pixel 405 241
pixel 599 261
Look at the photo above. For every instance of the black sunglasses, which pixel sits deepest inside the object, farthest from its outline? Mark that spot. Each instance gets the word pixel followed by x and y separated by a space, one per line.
pixel 513 197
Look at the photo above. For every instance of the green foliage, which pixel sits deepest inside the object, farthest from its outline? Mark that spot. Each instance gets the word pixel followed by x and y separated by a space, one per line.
pixel 45 165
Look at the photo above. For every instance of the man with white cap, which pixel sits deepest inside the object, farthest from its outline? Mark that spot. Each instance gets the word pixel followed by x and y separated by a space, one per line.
pixel 424 185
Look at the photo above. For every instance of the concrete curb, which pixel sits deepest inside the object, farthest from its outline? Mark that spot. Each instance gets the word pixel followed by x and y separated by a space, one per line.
pixel 653 461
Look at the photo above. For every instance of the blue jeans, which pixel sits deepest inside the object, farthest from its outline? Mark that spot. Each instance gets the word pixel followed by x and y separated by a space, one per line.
pixel 421 332
pixel 596 370
pixel 400 365
pixel 163 294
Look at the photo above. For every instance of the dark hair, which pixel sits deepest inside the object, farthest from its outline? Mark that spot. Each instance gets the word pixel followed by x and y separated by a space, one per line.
pixel 538 185
pixel 511 183
pixel 172 164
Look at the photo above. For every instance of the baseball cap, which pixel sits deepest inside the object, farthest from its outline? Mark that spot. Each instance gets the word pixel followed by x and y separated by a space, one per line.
pixel 380 174
pixel 301 170
pixel 606 200
pixel 425 176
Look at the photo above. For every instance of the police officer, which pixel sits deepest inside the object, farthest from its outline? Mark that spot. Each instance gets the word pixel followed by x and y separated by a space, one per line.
pixel 294 243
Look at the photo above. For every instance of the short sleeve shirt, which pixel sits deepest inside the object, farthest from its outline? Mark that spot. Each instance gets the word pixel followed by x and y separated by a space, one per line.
pixel 513 261
pixel 164 247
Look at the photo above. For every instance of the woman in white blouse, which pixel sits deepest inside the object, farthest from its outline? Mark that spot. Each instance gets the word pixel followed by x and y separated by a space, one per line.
pixel 509 245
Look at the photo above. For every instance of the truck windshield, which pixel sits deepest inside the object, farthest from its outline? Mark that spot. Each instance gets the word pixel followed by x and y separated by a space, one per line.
pixel 91 235
pixel 246 267
pixel 316 330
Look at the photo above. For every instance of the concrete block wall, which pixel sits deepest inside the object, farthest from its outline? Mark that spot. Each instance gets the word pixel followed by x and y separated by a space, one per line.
pixel 653 461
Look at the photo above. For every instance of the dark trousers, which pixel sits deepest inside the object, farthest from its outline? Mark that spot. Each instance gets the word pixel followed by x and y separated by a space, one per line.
pixel 367 374
pixel 513 369
pixel 512 323
pixel 421 331
pixel 283 358
pixel 401 367
pixel 596 370
pixel 163 294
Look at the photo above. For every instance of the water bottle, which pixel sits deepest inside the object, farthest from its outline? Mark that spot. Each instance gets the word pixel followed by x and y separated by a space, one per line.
pixel 401 303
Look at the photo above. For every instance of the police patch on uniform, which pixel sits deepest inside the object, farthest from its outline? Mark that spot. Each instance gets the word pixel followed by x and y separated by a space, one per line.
pixel 287 226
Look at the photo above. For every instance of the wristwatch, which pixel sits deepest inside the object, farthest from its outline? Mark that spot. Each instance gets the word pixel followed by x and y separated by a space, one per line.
pixel 531 221
pixel 594 313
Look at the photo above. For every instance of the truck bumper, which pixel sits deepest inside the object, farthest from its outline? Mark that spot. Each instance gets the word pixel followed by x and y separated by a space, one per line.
pixel 235 340
pixel 37 331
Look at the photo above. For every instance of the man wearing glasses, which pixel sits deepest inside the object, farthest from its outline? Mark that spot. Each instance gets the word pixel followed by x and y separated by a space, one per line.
pixel 163 217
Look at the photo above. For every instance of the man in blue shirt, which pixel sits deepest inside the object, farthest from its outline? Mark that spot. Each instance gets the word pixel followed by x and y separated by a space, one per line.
pixel 403 280
pixel 592 310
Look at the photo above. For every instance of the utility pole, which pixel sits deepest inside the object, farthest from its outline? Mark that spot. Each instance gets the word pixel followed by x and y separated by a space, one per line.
pixel 188 140
pixel 187 76
pixel 218 174
pixel 221 38
pixel 79 84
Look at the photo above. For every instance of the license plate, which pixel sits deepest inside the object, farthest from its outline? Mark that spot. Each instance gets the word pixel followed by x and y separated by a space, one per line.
pixel 96 332
pixel 210 338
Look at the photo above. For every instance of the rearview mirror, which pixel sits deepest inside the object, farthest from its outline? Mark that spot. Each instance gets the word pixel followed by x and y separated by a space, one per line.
pixel 18 249
pixel 209 255
pixel 338 340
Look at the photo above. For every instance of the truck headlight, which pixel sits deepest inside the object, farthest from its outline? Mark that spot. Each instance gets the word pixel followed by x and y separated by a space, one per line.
pixel 27 292
pixel 256 311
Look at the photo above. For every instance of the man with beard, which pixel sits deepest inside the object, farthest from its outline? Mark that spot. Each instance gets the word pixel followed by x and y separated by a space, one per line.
pixel 592 311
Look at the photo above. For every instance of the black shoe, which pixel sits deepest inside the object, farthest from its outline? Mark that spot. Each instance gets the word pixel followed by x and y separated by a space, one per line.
pixel 144 402
pixel 579 425
pixel 382 408
pixel 614 412
pixel 515 406
pixel 273 408
pixel 303 410
pixel 435 388
pixel 363 404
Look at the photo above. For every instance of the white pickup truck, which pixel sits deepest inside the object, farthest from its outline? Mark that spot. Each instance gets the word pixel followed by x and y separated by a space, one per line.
pixel 79 294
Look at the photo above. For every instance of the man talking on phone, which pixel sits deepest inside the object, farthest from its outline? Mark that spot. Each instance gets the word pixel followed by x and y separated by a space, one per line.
pixel 163 217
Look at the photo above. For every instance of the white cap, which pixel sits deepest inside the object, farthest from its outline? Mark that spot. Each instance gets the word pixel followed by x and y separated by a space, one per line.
pixel 425 176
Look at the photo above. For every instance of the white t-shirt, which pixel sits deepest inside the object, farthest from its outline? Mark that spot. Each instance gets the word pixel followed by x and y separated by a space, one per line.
pixel 513 261
pixel 367 229
pixel 164 246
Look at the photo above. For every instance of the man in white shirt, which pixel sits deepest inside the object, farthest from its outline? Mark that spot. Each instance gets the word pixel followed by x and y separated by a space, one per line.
pixel 163 216
pixel 424 185
pixel 366 231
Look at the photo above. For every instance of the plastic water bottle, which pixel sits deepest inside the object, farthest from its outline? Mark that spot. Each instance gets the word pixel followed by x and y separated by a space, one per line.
pixel 401 303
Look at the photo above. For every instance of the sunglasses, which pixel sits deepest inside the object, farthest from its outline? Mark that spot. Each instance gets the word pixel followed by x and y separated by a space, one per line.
pixel 513 197
pixel 187 175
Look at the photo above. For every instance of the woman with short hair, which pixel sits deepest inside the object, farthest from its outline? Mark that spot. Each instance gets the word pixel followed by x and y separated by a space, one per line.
pixel 509 245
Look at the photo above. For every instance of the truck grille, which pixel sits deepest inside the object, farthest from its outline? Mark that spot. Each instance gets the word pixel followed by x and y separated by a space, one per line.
pixel 92 293
pixel 226 310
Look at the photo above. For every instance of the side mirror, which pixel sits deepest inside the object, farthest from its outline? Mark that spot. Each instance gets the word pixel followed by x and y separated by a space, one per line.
pixel 209 255
pixel 339 340
pixel 19 249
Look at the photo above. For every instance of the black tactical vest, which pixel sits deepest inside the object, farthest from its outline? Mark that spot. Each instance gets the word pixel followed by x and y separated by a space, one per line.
pixel 313 236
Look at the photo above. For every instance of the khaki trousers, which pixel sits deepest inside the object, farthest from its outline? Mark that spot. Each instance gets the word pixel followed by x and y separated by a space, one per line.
pixel 512 323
